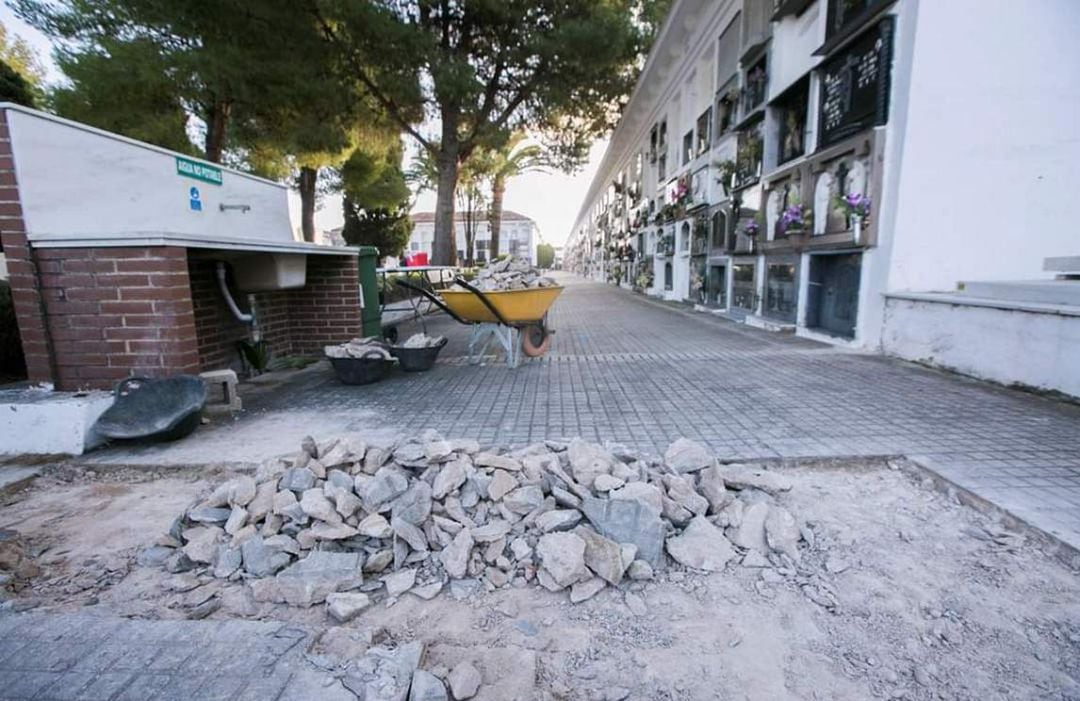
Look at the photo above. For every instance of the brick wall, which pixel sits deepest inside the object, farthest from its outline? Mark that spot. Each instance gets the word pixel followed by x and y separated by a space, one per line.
pixel 22 273
pixel 299 321
pixel 114 312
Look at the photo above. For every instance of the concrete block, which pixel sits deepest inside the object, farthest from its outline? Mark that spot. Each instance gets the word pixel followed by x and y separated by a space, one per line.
pixel 44 422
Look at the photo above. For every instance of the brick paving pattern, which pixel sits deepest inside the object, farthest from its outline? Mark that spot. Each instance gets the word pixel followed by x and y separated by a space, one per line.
pixel 626 369
pixel 79 657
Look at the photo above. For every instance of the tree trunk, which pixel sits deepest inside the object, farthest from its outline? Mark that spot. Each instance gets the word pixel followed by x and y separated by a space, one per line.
pixel 498 189
pixel 217 123
pixel 444 250
pixel 308 178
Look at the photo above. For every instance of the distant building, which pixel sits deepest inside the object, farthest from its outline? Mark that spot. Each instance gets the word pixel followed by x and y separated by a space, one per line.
pixel 518 235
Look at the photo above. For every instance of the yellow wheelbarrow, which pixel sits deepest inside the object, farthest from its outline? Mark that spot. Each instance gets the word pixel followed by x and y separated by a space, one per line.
pixel 516 320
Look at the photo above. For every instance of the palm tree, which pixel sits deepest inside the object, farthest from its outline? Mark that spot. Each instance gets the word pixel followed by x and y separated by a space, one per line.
pixel 510 161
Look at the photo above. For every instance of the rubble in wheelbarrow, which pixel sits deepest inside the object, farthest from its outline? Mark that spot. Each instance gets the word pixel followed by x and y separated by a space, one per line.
pixel 421 340
pixel 510 273
pixel 351 523
pixel 370 347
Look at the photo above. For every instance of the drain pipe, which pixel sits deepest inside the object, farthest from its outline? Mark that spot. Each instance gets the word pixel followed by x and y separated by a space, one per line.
pixel 224 287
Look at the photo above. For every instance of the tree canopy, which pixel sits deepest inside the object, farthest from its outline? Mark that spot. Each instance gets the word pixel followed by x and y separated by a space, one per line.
pixel 482 70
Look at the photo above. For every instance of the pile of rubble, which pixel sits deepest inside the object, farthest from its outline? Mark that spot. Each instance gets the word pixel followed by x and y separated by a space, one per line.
pixel 359 348
pixel 510 273
pixel 350 523
pixel 422 340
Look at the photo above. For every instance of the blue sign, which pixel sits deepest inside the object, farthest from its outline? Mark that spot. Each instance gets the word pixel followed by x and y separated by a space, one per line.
pixel 195 203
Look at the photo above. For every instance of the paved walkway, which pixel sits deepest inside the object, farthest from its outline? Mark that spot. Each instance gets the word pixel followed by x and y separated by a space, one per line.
pixel 631 370
pixel 78 657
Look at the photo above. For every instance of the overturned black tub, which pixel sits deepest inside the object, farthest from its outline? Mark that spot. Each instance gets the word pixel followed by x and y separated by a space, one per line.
pixel 151 409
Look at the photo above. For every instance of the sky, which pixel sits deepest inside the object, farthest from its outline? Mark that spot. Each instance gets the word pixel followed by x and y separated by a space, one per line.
pixel 552 199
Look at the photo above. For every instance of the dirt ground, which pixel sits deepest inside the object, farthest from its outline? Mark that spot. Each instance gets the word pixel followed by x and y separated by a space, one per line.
pixel 904 593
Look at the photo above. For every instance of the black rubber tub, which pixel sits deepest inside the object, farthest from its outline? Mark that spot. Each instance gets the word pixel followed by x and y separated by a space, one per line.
pixel 417 359
pixel 151 409
pixel 361 371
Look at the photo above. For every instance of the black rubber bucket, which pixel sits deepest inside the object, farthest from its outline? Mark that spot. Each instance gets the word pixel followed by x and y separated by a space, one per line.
pixel 154 409
pixel 361 371
pixel 417 359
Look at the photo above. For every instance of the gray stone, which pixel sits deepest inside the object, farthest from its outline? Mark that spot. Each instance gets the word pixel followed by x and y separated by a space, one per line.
pixel 675 512
pixel 428 591
pixel 347 504
pixel 501 484
pixel 297 479
pixel 711 484
pixel 588 461
pixel 681 489
pixel 409 533
pixel 227 562
pixel 179 562
pixel 309 581
pixel 414 506
pixel 745 477
pixel 781 532
pixel 563 556
pixel 345 606
pixel 755 559
pixel 208 514
pixel 648 494
pixel 455 557
pixel 583 591
pixel 331 531
pixel 202 543
pixel 491 532
pixel 153 556
pixel 426 687
pixel 375 526
pixel 263 501
pixel 410 455
pixel 628 521
pixel 464 588
pixel 449 478
pixel 437 450
pixel 558 520
pixel 380 488
pixel 399 582
pixel 340 479
pixel 639 570
pixel 383 674
pixel 524 499
pixel 260 560
pixel 701 546
pixel 315 504
pixel 503 462
pixel 685 455
pixel 464 680
pixel 602 555
pixel 379 561
pixel 750 533
pixel 606 483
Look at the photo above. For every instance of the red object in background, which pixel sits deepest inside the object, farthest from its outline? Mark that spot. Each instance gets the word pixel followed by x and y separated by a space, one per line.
pixel 415 259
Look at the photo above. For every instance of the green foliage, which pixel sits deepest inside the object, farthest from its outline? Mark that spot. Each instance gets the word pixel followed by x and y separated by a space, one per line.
pixel 256 354
pixel 545 255
pixel 21 58
pixel 14 88
pixel 123 87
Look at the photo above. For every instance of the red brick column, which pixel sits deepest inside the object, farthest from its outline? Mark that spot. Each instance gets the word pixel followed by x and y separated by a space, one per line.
pixel 115 312
pixel 327 309
pixel 25 291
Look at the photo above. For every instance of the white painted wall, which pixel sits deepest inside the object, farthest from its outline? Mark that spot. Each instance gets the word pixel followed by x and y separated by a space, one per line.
pixel 76 181
pixel 991 154
pixel 525 232
pixel 793 44
pixel 1033 349
pixel 35 422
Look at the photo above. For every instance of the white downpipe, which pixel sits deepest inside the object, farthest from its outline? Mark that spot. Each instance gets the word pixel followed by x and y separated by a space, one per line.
pixel 224 287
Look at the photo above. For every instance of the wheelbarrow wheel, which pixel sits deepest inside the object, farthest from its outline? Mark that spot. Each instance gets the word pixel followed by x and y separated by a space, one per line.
pixel 390 335
pixel 535 340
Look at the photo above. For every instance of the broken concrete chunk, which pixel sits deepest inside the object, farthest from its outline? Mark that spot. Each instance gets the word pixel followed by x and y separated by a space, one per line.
pixel 501 484
pixel 711 484
pixel 701 546
pixel 524 499
pixel 202 543
pixel 562 555
pixel 648 494
pixel 745 477
pixel 491 532
pixel 503 462
pixel 588 461
pixel 375 526
pixel 309 581
pixel 345 606
pixel 399 582
pixel 602 555
pixel 297 479
pixel 681 489
pixel 209 515
pixel 628 522
pixel 315 504
pixel 781 532
pixel 449 478
pixel 558 520
pixel 426 687
pixel 414 505
pixel 750 533
pixel 455 558
pixel 685 455
pixel 383 674
pixel 464 681
pixel 606 483
pixel 583 591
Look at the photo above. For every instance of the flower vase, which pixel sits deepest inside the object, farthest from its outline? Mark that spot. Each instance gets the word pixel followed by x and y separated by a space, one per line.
pixel 856 228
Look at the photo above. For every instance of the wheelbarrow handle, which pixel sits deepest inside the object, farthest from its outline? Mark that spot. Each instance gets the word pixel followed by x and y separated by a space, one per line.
pixel 431 298
pixel 460 281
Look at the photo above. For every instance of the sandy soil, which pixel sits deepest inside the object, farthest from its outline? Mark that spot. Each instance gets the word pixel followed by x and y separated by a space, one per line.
pixel 904 593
